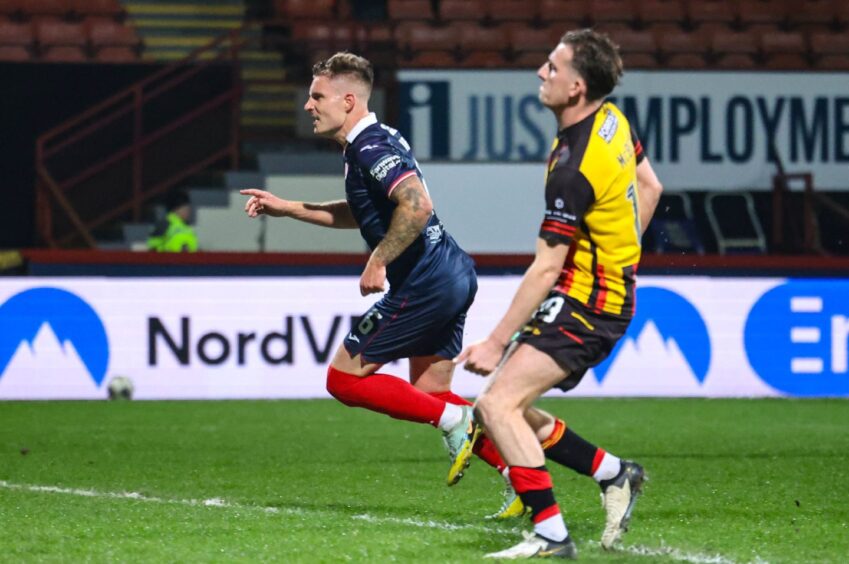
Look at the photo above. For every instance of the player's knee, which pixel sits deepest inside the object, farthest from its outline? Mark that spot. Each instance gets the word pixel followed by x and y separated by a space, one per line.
pixel 341 385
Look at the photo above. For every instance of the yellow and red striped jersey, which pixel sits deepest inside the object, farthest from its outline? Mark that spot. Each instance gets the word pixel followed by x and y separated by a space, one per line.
pixel 592 205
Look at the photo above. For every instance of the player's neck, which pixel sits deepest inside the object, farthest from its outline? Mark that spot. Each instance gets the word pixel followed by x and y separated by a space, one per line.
pixel 351 121
pixel 570 115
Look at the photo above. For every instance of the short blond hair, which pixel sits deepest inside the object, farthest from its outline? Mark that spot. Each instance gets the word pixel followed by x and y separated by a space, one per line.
pixel 346 64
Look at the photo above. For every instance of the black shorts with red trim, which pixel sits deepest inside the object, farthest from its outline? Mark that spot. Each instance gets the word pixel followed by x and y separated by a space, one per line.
pixel 573 335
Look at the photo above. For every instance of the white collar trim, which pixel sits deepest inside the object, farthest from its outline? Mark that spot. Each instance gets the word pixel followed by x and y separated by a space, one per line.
pixel 370 119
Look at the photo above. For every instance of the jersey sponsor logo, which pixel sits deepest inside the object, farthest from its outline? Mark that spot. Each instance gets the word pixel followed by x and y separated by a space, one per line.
pixel 797 337
pixel 609 127
pixel 365 148
pixel 434 233
pixel 667 331
pixel 51 337
pixel 383 166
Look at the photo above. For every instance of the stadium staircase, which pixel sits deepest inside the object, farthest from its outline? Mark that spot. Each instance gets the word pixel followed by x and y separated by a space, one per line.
pixel 172 30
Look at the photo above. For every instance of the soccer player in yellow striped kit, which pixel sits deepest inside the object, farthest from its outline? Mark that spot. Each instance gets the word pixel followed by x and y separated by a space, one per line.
pixel 600 193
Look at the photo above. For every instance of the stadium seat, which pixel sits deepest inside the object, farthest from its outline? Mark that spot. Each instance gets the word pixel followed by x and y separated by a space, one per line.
pixel 106 8
pixel 561 14
pixel 700 12
pixel 683 50
pixel 636 42
pixel 523 39
pixel 51 33
pixel 499 11
pixel 735 61
pixel 473 37
pixel 64 54
pixel 830 51
pixel 429 59
pixel 754 12
pixel 306 9
pixel 613 11
pixel 400 10
pixel 105 32
pixel 461 10
pixel 813 13
pixel 483 60
pixel 58 8
pixel 16 34
pixel 733 42
pixel 784 51
pixel 428 38
pixel 651 12
pixel 14 53
pixel 116 55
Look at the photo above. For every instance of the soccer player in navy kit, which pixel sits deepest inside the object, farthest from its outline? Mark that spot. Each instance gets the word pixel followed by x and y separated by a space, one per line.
pixel 432 281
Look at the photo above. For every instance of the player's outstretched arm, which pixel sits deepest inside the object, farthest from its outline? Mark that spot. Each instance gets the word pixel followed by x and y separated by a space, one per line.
pixel 482 357
pixel 648 190
pixel 409 218
pixel 326 214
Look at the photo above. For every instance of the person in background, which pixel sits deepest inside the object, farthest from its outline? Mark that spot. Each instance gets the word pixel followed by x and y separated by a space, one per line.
pixel 174 234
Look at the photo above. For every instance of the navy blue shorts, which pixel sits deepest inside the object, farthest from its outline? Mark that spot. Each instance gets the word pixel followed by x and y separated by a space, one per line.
pixel 415 322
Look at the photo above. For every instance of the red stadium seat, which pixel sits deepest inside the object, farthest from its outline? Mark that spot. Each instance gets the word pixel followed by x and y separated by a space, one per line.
pixel 51 32
pixel 400 10
pixel 427 38
pixel 116 55
pixel 682 50
pixel 306 9
pixel 460 10
pixel 522 39
pixel 511 11
pixel 60 8
pixel 824 44
pixel 813 12
pixel 14 53
pixel 751 12
pixel 652 12
pixel 785 51
pixel 700 12
pixel 613 11
pixel 639 61
pixel 483 60
pixel 429 59
pixel 107 8
pixel 64 54
pixel 636 42
pixel 108 32
pixel 733 42
pixel 735 61
pixel 476 38
pixel 16 34
pixel 553 12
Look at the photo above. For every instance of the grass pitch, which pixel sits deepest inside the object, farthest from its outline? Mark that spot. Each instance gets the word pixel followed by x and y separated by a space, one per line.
pixel 314 481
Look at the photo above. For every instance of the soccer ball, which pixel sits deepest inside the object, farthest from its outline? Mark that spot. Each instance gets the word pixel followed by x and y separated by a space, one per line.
pixel 120 387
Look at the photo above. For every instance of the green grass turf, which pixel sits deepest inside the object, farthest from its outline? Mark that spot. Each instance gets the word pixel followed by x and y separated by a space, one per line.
pixel 739 480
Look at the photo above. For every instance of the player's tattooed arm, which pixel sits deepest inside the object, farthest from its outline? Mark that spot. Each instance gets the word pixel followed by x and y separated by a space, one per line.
pixel 409 218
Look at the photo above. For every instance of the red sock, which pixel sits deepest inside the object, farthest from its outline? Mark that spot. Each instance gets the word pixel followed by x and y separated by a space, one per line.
pixel 385 394
pixel 484 448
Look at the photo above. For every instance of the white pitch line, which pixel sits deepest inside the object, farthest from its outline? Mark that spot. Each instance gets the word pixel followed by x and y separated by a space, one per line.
pixel 670 552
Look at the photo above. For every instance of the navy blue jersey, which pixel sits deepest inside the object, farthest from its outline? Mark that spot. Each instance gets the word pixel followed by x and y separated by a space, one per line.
pixel 377 160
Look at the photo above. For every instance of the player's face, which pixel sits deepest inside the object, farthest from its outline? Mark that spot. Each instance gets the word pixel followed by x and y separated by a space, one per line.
pixel 327 106
pixel 561 83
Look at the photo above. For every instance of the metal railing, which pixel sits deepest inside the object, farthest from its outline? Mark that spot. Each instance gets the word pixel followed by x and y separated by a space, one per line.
pixel 105 163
